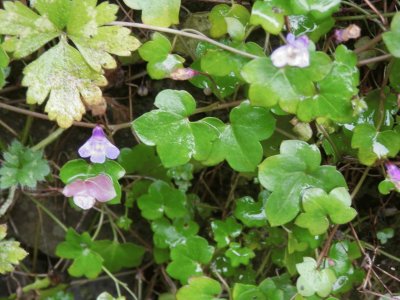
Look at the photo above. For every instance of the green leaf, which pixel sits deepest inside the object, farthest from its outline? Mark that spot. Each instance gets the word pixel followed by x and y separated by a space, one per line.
pixel 308 25
pixel 107 296
pixel 160 61
pixel 94 41
pixel 22 166
pixel 373 145
pixel 58 11
pixel 200 288
pixel 225 231
pixel 238 142
pixel 118 256
pixel 288 174
pixel 270 14
pixel 239 255
pixel 46 78
pixel 86 262
pixel 162 199
pixel 335 91
pixel 170 235
pixel 319 9
pixel 28 31
pixel 386 186
pixel 270 85
pixel 80 169
pixel 188 257
pixel 177 139
pixel 142 160
pixel 10 252
pixel 232 20
pixel 157 12
pixel 251 213
pixel 313 280
pixel 318 205
pixel 392 37
pixel 385 234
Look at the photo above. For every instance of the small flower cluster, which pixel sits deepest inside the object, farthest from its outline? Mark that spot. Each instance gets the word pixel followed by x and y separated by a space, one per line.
pixel 85 192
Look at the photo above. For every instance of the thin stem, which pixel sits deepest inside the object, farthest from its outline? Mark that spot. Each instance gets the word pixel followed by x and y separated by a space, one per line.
pixel 364 17
pixel 50 214
pixel 360 183
pixel 186 34
pixel 99 225
pixel 10 199
pixel 119 283
pixel 328 138
pixel 51 138
pixel 369 45
pixel 374 59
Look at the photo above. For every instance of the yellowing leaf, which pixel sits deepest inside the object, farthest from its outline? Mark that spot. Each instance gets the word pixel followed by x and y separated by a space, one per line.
pixel 10 252
pixel 95 41
pixel 157 12
pixel 28 31
pixel 63 76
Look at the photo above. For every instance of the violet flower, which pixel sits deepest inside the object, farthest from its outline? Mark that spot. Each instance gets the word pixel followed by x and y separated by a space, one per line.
pixel 98 147
pixel 295 53
pixel 394 174
pixel 86 192
pixel 350 32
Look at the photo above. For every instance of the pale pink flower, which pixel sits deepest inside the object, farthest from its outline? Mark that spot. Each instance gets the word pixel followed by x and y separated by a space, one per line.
pixel 393 173
pixel 98 147
pixel 183 74
pixel 86 192
pixel 295 53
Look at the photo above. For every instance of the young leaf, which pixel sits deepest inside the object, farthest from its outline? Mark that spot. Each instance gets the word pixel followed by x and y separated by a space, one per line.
pixel 95 41
pixel 161 63
pixel 177 139
pixel 63 76
pixel 10 252
pixel 28 31
pixel 22 166
pixel 225 231
pixel 251 213
pixel 162 198
pixel 384 235
pixel 270 14
pixel 392 37
pixel 107 296
pixel 296 168
pixel 239 255
pixel 373 145
pixel 86 262
pixel 318 205
pixel 312 280
pixel 239 142
pixel 188 257
pixel 118 256
pixel 200 288
pixel 157 12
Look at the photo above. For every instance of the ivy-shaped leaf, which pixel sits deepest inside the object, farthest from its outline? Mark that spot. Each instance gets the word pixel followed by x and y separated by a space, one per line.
pixel 251 213
pixel 169 235
pixel 373 144
pixel 10 252
pixel 313 280
pixel 318 205
pixel 22 166
pixel 200 288
pixel 288 174
pixel 319 9
pixel 157 52
pixel 188 257
pixel 239 255
pixel 162 199
pixel 392 37
pixel 270 14
pixel 117 256
pixel 335 91
pixel 95 41
pixel 46 77
pixel 86 262
pixel 239 142
pixel 270 85
pixel 157 12
pixel 225 230
pixel 309 25
pixel 80 169
pixel 28 31
pixel 177 139
pixel 225 19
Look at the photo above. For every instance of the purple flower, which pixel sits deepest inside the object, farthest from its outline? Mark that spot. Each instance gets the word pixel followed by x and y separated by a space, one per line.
pixel 295 53
pixel 394 174
pixel 350 32
pixel 98 147
pixel 86 192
